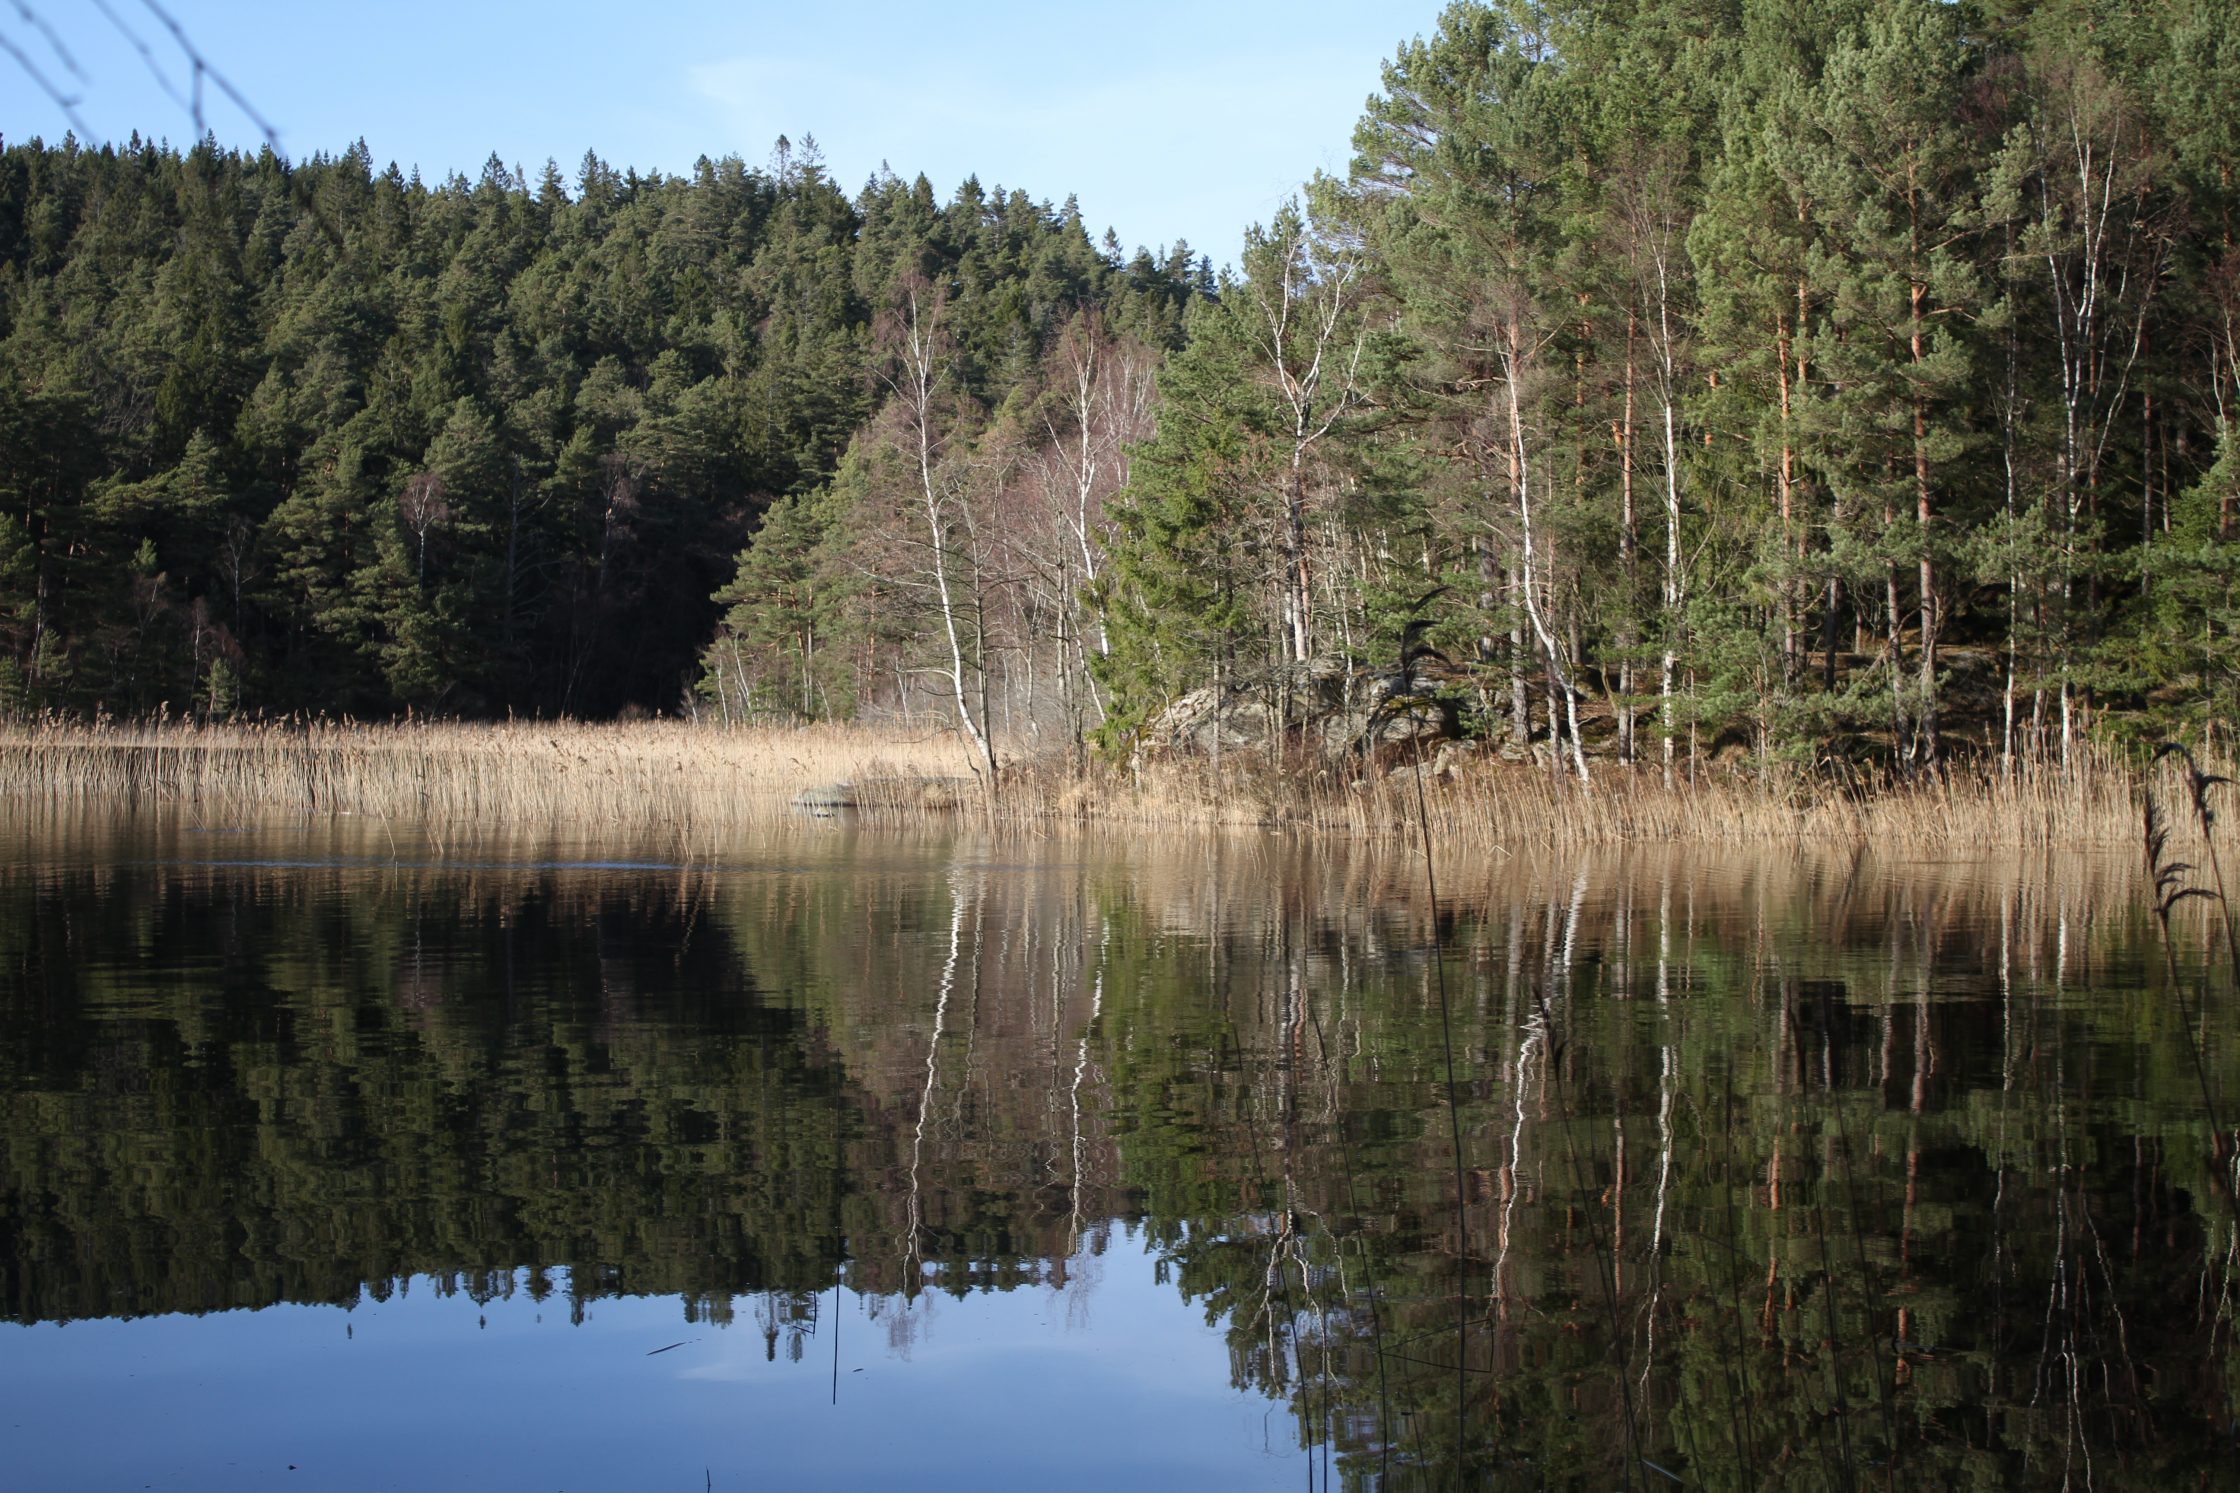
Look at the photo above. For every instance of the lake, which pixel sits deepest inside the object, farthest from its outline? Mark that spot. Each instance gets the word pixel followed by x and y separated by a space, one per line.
pixel 347 1158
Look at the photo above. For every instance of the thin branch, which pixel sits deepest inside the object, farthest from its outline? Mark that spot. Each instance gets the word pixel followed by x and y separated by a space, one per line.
pixel 39 24
pixel 66 102
pixel 199 69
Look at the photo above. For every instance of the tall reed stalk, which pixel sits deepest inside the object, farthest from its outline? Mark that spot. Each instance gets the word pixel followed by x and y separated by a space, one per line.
pixel 2173 884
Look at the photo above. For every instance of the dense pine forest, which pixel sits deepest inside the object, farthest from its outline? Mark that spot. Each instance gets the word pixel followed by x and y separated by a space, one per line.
pixel 326 438
pixel 1844 380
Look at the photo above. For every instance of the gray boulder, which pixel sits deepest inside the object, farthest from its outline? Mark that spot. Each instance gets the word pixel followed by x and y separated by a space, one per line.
pixel 1325 707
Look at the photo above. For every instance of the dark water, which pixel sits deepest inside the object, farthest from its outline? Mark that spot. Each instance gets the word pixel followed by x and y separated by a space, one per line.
pixel 845 1161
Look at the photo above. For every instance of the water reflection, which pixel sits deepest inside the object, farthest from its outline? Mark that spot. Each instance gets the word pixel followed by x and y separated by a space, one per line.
pixel 1793 1171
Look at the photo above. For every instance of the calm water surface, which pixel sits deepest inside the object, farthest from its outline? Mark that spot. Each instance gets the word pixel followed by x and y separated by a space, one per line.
pixel 838 1160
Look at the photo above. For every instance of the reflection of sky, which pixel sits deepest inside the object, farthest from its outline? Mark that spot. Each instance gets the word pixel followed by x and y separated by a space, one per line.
pixel 1112 1384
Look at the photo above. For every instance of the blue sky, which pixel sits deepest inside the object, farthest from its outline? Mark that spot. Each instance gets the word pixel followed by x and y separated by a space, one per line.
pixel 1164 118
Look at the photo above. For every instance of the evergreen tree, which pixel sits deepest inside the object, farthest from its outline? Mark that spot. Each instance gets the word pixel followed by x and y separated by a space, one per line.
pixel 1187 567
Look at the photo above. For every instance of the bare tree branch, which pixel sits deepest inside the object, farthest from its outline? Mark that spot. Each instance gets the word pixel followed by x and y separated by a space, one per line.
pixel 39 24
pixel 200 71
pixel 203 69
pixel 66 102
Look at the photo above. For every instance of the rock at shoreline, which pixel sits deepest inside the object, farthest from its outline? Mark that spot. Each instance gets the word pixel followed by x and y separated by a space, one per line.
pixel 826 801
pixel 913 794
pixel 1327 707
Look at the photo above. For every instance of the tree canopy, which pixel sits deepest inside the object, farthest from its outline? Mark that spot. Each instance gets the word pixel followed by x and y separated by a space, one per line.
pixel 327 438
pixel 1852 381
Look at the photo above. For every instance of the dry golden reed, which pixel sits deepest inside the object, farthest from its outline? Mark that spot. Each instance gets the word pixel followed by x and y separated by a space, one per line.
pixel 640 775
pixel 694 780
pixel 1482 803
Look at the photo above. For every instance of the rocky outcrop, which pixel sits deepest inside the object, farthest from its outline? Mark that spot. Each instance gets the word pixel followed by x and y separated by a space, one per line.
pixel 898 794
pixel 1325 708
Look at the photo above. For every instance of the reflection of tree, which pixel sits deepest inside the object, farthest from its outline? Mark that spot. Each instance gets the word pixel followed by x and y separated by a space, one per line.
pixel 443 1078
pixel 1797 1176
pixel 1752 1171
pixel 790 1313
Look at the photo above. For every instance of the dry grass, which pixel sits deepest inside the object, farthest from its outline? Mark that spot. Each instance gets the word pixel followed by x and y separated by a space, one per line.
pixel 1476 802
pixel 642 776
pixel 692 781
pixel 2091 803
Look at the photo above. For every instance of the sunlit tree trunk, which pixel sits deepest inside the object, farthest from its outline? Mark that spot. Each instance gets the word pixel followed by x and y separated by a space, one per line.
pixel 944 505
pixel 1308 340
pixel 1514 361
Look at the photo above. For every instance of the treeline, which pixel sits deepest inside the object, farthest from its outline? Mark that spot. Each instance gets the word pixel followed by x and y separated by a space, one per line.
pixel 1848 380
pixel 326 438
pixel 1852 376
pixel 1842 381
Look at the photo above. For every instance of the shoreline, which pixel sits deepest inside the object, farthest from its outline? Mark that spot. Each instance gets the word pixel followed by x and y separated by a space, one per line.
pixel 687 779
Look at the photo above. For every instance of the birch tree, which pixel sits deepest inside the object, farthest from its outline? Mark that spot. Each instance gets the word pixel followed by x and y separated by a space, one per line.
pixel 2097 239
pixel 1301 297
pixel 928 429
pixel 1097 404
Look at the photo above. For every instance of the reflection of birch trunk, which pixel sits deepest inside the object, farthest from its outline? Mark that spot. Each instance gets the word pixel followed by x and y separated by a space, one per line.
pixel 1656 1228
pixel 1080 1069
pixel 1576 906
pixel 1534 1030
pixel 925 1096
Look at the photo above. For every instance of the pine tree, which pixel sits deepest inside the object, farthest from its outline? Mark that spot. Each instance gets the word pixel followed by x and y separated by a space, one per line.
pixel 1186 564
pixel 1880 156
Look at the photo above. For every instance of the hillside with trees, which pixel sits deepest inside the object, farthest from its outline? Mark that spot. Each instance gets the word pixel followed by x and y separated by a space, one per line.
pixel 325 438
pixel 1849 382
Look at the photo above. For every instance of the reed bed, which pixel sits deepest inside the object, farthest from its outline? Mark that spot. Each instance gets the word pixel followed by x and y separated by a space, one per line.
pixel 691 780
pixel 2092 801
pixel 639 776
pixel 1479 803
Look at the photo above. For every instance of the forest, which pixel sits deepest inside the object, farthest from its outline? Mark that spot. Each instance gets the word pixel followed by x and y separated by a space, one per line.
pixel 328 439
pixel 1848 381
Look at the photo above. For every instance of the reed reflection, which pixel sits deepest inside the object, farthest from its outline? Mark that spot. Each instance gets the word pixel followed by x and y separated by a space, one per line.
pixel 1775 1172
